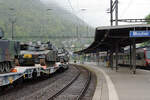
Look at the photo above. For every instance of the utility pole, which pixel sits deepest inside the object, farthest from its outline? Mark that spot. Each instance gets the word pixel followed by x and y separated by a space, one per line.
pixel 12 29
pixel 113 7
pixel 87 31
pixel 77 31
pixel 116 13
pixel 111 13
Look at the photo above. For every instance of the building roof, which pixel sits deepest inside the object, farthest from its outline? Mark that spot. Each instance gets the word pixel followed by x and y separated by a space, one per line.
pixel 106 37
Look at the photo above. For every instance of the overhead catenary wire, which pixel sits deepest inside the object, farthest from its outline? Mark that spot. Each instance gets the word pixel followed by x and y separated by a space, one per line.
pixel 73 11
pixel 71 6
pixel 127 7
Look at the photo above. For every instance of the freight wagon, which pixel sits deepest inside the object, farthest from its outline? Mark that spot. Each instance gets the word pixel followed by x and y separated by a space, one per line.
pixel 34 60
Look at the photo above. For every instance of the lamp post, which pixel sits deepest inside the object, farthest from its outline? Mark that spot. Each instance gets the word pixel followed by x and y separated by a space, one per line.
pixel 13 21
pixel 85 23
pixel 82 10
pixel 47 19
pixel 77 28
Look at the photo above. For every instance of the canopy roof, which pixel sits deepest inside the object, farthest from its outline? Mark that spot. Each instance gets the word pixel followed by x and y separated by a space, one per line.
pixel 106 37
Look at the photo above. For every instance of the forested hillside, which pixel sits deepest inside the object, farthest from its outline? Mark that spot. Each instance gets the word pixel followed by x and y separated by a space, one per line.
pixel 35 21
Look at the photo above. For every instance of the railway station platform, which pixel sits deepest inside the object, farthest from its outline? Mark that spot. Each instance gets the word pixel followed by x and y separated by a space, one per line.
pixel 121 85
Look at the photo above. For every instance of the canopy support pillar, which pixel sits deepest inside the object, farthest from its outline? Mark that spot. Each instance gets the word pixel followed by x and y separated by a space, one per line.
pixel 130 57
pixel 111 60
pixel 134 56
pixel 116 54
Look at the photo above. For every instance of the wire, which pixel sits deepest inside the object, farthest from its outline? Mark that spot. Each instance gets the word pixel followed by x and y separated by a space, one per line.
pixel 71 6
pixel 76 24
pixel 125 10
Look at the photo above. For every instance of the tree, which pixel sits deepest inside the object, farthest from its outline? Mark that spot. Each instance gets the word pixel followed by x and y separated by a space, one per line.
pixel 148 18
pixel 147 43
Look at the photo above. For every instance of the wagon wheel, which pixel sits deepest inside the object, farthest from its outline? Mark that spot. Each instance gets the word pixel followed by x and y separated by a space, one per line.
pixel 7 67
pixel 19 82
pixel 1 68
pixel 34 74
pixel 2 89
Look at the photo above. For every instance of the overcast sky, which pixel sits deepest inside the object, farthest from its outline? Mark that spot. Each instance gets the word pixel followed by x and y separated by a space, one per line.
pixel 95 13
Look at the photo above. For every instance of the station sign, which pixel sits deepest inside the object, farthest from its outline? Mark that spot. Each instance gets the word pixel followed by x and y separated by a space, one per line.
pixel 139 34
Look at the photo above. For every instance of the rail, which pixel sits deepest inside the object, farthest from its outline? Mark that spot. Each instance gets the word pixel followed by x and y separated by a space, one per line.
pixel 82 92
pixel 64 88
pixel 85 86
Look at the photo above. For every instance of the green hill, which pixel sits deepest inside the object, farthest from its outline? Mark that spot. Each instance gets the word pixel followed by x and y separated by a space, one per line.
pixel 33 21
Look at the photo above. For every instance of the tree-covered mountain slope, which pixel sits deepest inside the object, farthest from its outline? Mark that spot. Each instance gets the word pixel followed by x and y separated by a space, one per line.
pixel 33 21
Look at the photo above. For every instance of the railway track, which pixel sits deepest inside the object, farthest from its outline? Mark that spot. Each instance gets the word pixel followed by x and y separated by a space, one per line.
pixel 81 92
pixel 64 88
pixel 85 87
pixel 73 84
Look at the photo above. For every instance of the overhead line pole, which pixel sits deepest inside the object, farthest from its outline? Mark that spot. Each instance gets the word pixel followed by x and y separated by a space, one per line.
pixel 12 29
pixel 113 7
pixel 116 12
pixel 111 13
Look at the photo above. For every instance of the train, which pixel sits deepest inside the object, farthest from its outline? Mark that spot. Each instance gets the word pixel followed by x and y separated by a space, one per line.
pixel 29 61
pixel 142 57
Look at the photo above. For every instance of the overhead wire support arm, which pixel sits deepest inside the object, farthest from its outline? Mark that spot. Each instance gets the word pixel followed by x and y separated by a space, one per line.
pixel 133 20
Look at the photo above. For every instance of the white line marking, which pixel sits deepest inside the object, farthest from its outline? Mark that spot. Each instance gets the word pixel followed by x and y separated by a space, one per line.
pixel 111 88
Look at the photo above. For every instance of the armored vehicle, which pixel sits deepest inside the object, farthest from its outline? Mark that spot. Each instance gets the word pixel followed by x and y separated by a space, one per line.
pixel 37 53
pixel 63 55
pixel 8 50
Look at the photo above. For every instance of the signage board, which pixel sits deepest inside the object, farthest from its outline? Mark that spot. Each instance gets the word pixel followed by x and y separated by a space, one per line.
pixel 139 34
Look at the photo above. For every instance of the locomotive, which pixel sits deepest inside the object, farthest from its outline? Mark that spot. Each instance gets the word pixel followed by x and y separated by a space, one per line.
pixel 8 50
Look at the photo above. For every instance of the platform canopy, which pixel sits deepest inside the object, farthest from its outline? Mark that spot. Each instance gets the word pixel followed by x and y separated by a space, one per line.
pixel 107 37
